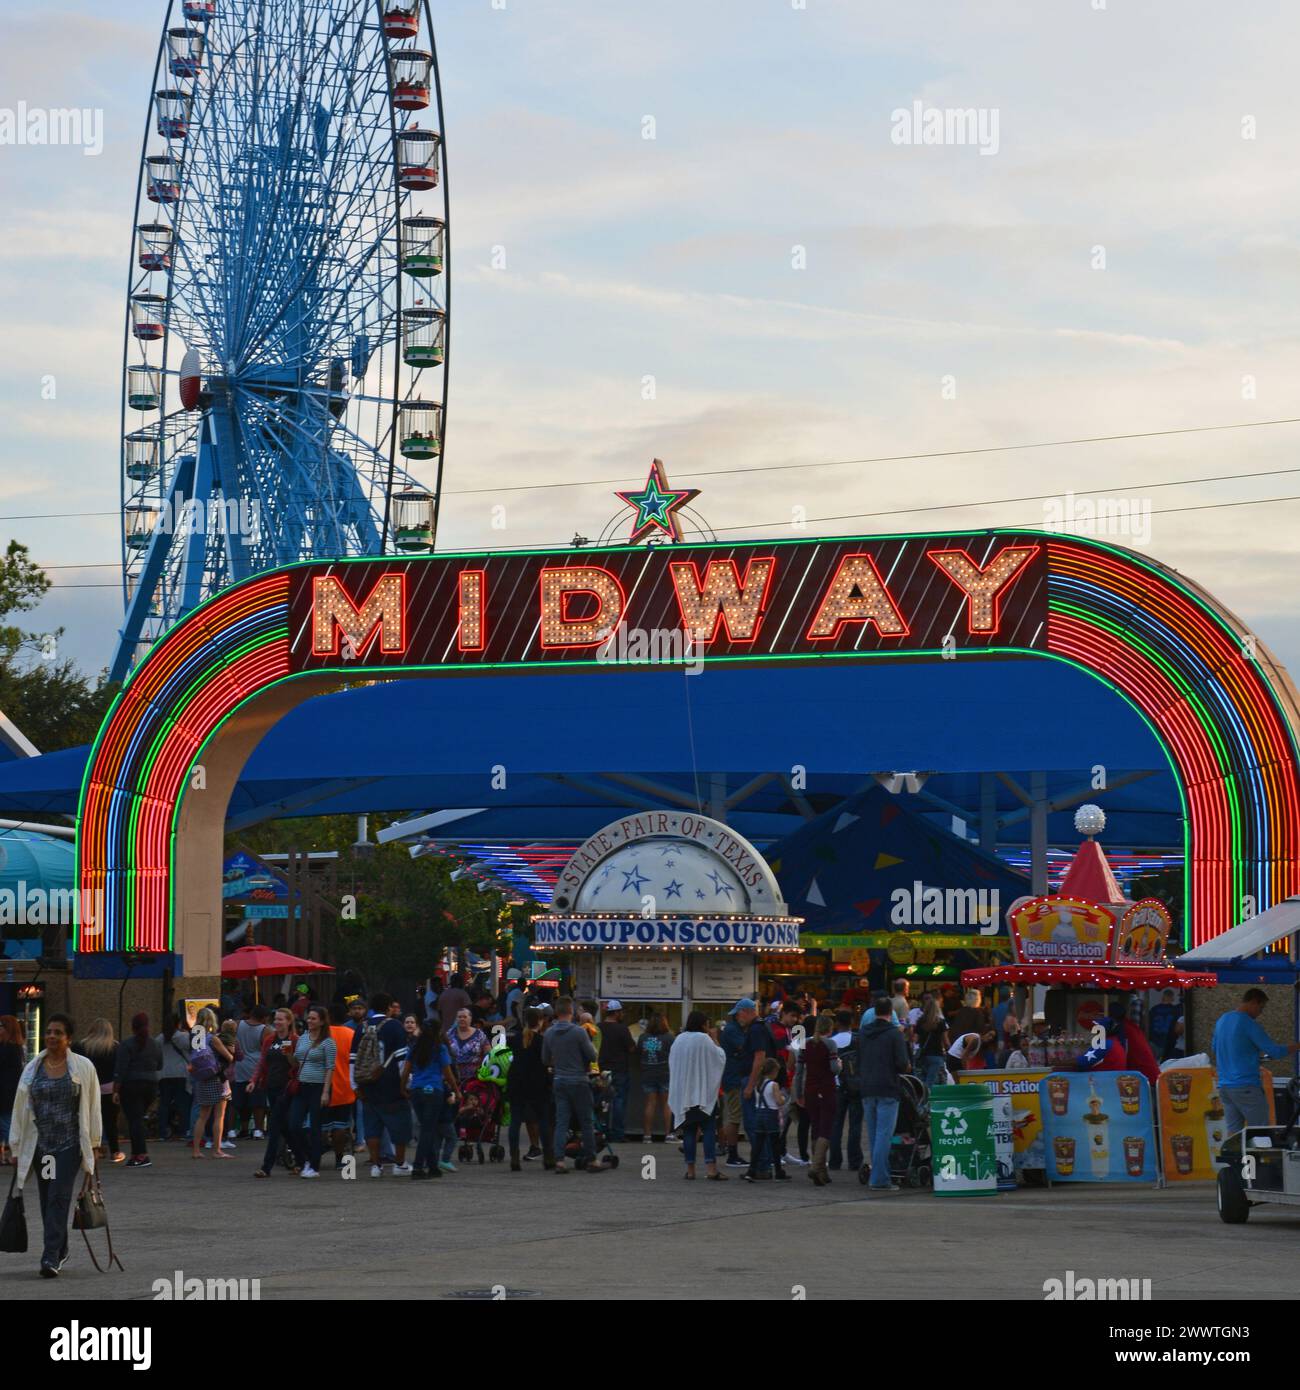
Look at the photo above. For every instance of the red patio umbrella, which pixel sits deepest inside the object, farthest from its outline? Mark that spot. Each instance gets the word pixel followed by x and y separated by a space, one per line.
pixel 251 961
pixel 256 961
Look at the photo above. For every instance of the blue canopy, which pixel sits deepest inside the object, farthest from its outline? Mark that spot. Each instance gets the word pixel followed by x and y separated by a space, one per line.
pixel 579 748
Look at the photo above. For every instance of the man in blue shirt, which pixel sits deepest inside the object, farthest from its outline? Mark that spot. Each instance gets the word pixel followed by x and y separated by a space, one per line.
pixel 1239 1043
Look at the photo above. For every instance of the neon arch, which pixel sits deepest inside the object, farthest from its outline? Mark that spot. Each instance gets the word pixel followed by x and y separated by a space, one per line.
pixel 1225 713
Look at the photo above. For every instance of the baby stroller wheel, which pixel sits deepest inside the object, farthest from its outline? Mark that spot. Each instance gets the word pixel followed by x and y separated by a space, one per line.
pixel 864 1176
pixel 496 1153
pixel 466 1153
pixel 924 1177
pixel 482 1157
pixel 611 1160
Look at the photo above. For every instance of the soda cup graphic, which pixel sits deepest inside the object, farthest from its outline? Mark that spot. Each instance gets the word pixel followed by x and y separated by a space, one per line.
pixel 1130 1094
pixel 1063 1151
pixel 1180 1091
pixel 1134 1153
pixel 1058 1091
pixel 1184 1152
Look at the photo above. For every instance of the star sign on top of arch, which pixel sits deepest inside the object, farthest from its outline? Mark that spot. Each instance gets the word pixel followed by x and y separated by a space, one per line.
pixel 657 505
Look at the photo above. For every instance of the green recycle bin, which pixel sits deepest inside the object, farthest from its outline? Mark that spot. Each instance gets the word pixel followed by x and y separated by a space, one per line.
pixel 963 1142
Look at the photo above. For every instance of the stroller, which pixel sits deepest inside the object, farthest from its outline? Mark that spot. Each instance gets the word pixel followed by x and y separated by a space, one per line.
pixel 479 1122
pixel 602 1104
pixel 910 1161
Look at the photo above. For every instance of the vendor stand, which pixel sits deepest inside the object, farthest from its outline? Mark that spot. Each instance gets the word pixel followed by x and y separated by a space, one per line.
pixel 1079 947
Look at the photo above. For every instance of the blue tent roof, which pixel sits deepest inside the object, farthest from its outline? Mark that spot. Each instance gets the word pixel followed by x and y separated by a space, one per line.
pixel 840 871
pixel 573 744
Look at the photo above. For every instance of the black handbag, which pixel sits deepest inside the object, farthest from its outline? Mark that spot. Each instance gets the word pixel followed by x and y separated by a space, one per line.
pixel 91 1214
pixel 13 1224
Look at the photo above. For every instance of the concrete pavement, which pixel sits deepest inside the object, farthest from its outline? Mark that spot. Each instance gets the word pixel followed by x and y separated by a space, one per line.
pixel 641 1232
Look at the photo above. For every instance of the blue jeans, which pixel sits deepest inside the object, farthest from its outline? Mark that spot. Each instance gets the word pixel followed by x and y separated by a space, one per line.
pixel 428 1112
pixel 849 1108
pixel 1242 1106
pixel 709 1131
pixel 306 1107
pixel 933 1069
pixel 447 1128
pixel 619 1082
pixel 760 1155
pixel 573 1101
pixel 56 1199
pixel 881 1115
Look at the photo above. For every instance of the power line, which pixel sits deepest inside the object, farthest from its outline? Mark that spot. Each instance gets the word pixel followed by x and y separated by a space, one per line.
pixel 791 467
pixel 1005 526
pixel 1032 497
pixel 887 458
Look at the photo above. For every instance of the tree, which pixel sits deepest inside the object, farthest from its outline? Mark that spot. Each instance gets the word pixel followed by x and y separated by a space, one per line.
pixel 52 702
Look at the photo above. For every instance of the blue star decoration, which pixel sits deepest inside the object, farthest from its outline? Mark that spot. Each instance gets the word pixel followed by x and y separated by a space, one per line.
pixel 719 887
pixel 699 892
pixel 673 890
pixel 657 505
pixel 633 880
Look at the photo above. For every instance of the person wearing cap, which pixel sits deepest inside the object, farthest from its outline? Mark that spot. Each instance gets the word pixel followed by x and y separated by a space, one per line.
pixel 747 1044
pixel 616 1048
pixel 301 998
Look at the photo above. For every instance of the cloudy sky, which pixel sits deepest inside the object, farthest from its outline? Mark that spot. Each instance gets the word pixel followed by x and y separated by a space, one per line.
pixel 1121 128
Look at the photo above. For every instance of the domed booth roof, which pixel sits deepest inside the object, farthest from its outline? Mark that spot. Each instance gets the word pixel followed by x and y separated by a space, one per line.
pixel 662 876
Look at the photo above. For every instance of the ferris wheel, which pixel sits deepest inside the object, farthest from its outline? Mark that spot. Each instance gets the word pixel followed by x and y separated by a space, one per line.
pixel 285 360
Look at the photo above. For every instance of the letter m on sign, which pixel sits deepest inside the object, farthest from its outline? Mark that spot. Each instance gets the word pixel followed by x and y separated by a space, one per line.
pixel 334 615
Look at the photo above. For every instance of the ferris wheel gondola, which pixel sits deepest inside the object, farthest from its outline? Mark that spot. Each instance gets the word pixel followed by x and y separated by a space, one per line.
pixel 286 338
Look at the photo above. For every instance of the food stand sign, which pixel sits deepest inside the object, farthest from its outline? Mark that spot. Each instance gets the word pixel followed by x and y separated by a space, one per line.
pixel 1192 1127
pixel 1099 1127
pixel 1021 1088
pixel 1060 931
pixel 640 975
pixel 963 1142
pixel 720 977
pixel 1143 933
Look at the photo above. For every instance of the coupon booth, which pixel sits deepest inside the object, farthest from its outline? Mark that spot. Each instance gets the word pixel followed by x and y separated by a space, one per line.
pixel 1073 952
pixel 666 911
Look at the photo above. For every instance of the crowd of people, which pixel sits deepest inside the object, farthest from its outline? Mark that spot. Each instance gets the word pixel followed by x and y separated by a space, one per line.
pixel 306 1081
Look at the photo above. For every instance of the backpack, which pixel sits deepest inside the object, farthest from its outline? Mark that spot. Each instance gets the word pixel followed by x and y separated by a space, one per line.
pixel 368 1065
pixel 205 1064
pixel 849 1078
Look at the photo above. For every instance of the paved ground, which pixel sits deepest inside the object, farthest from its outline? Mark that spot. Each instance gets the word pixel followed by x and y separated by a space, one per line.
pixel 622 1235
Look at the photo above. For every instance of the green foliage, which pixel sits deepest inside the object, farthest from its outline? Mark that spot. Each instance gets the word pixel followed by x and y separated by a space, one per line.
pixel 52 702
pixel 407 911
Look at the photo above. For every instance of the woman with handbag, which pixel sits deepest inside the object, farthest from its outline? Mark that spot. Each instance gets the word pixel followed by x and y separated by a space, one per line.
pixel 274 1075
pixel 208 1061
pixel 57 1126
pixel 695 1064
pixel 316 1052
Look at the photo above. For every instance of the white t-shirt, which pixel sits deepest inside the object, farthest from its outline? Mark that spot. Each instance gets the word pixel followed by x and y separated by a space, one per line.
pixel 957 1050
pixel 765 1094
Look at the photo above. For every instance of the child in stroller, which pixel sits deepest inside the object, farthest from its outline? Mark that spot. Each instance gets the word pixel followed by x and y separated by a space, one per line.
pixel 602 1101
pixel 909 1154
pixel 479 1122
